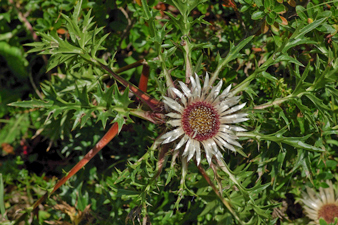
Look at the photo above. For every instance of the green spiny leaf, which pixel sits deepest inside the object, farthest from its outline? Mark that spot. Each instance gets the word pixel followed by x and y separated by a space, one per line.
pixel 303 161
pixel 74 30
pixel 77 10
pixel 81 96
pixel 34 103
pixel 87 22
pixel 323 108
pixel 121 100
pixel 103 116
pixel 308 28
pixel 301 86
pixel 78 115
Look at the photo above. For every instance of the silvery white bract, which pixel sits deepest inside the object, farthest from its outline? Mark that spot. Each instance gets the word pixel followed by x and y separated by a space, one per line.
pixel 324 205
pixel 203 119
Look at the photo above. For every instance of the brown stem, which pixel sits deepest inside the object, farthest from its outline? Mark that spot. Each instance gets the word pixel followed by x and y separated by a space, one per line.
pixel 143 84
pixel 161 161
pixel 154 104
pixel 213 167
pixel 122 69
pixel 103 142
pixel 131 66
pixel 206 177
pixel 112 132
pixel 156 118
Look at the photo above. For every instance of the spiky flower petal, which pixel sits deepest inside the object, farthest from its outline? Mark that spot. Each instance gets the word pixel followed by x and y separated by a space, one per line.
pixel 203 119
pixel 324 205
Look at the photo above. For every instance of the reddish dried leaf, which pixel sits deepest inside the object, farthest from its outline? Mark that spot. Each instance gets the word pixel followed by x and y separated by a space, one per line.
pixel 7 148
pixel 61 31
pixel 257 49
pixel 292 3
pixel 264 27
pixel 75 215
pixel 230 3
pixel 153 103
pixel 143 84
pixel 285 22
pixel 112 132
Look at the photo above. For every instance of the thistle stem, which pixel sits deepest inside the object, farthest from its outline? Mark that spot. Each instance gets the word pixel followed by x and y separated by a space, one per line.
pixel 112 132
pixel 143 83
pixel 277 101
pixel 168 78
pixel 147 99
pixel 131 66
pixel 103 142
pixel 156 118
pixel 226 204
pixel 162 159
pixel 187 58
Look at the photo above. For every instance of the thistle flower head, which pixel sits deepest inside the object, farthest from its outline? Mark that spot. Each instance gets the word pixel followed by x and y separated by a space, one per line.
pixel 203 119
pixel 324 205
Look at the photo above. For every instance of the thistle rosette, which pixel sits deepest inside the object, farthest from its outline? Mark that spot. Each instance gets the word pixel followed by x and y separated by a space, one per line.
pixel 324 205
pixel 203 119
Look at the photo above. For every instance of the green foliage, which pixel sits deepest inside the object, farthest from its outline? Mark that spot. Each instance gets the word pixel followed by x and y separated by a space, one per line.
pixel 84 43
pixel 77 106
pixel 271 9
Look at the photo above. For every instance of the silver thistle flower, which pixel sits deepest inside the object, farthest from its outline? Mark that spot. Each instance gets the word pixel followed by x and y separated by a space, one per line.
pixel 324 205
pixel 203 119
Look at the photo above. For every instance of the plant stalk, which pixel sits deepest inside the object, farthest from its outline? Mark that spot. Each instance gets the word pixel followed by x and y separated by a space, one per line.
pixel 112 132
pixel 226 204
pixel 154 104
